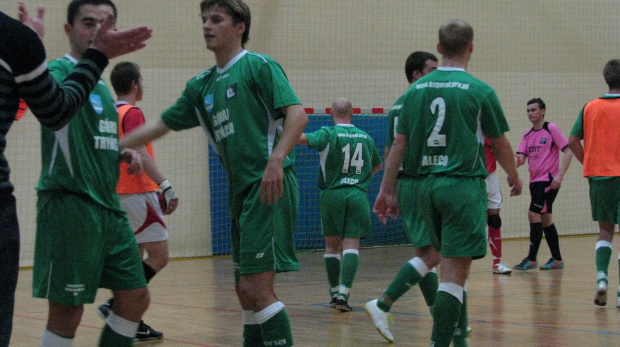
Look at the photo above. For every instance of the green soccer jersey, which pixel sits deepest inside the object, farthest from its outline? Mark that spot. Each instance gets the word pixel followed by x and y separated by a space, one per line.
pixel 347 156
pixel 83 157
pixel 445 116
pixel 238 106
pixel 393 120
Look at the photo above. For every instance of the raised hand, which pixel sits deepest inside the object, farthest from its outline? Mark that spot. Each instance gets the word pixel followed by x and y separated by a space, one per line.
pixel 114 43
pixel 37 24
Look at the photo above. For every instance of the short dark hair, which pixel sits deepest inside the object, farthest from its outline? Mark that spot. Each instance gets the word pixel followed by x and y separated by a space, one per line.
pixel 122 75
pixel 611 73
pixel 74 8
pixel 237 9
pixel 454 37
pixel 417 62
pixel 539 101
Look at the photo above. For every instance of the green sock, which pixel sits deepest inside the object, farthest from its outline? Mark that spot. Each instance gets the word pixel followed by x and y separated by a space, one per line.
pixel 252 335
pixel 332 266
pixel 406 277
pixel 603 257
pixel 350 262
pixel 428 285
pixel 110 338
pixel 277 330
pixel 460 334
pixel 447 310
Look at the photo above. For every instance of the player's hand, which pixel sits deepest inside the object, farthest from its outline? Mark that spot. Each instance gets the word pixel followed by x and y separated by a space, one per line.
pixel 516 185
pixel 386 206
pixel 37 24
pixel 556 183
pixel 114 43
pixel 134 159
pixel 272 184
pixel 170 197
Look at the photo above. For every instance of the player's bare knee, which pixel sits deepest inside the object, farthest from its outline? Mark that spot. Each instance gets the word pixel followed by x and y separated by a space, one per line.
pixel 131 304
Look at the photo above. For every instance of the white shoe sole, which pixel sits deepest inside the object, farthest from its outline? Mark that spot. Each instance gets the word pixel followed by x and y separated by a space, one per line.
pixel 385 335
pixel 600 299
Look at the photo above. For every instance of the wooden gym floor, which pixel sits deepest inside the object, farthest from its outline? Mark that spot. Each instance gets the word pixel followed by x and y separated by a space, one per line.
pixel 193 303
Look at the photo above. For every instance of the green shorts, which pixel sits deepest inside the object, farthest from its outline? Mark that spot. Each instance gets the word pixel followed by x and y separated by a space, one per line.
pixel 82 246
pixel 605 199
pixel 345 212
pixel 454 209
pixel 415 226
pixel 263 236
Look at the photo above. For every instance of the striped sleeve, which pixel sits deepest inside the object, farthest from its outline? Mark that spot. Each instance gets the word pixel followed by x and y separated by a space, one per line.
pixel 53 104
pixel 25 75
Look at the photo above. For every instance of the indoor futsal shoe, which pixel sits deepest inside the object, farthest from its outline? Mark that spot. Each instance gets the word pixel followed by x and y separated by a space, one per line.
pixel 380 319
pixel 501 269
pixel 600 299
pixel 105 308
pixel 334 301
pixel 526 264
pixel 343 305
pixel 146 333
pixel 553 264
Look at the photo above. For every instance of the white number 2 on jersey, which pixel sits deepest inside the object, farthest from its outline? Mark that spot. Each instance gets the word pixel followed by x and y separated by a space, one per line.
pixel 356 161
pixel 438 108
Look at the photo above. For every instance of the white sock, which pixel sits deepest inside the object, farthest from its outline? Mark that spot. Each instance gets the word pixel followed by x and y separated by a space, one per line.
pixel 50 339
pixel 122 326
pixel 249 318
pixel 268 312
pixel 453 289
pixel 419 265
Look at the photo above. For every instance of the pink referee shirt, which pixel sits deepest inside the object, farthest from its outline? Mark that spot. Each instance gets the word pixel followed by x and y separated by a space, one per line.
pixel 542 148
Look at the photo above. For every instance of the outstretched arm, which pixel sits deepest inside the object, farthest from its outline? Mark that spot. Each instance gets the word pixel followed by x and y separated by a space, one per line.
pixel 51 102
pixel 303 140
pixel 150 131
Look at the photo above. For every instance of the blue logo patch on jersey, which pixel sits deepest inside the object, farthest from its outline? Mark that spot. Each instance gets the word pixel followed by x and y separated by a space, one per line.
pixel 209 103
pixel 231 91
pixel 543 140
pixel 96 102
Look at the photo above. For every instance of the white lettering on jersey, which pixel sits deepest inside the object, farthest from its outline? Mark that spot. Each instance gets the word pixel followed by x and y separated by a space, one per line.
pixel 226 128
pixel 441 85
pixel 348 180
pixel 75 288
pixel 108 126
pixel 220 117
pixel 435 160
pixel 108 143
pixel 352 135
pixel 224 131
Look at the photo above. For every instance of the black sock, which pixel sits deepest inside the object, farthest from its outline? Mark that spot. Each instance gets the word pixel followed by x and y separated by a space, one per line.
pixel 551 235
pixel 149 272
pixel 536 232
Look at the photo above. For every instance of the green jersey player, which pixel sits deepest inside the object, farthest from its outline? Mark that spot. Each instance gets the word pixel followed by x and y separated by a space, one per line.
pixel 253 119
pixel 348 159
pixel 83 237
pixel 440 143
pixel 418 64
